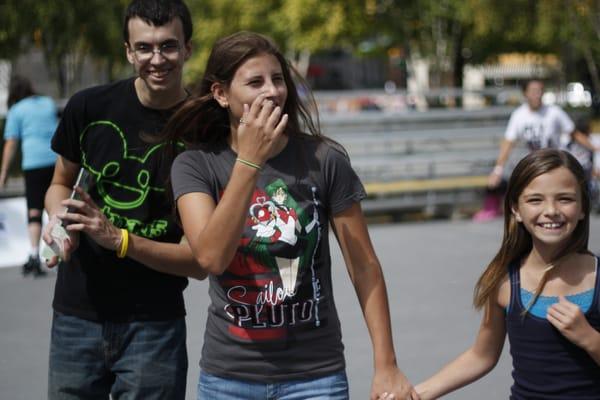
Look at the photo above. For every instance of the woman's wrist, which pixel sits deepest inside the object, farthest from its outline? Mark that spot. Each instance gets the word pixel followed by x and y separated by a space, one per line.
pixel 498 169
pixel 248 163
pixel 385 361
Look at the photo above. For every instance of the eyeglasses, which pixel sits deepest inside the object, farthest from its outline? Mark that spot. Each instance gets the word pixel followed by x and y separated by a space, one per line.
pixel 144 52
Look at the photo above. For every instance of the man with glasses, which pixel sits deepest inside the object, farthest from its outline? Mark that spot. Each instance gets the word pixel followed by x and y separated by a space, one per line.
pixel 119 319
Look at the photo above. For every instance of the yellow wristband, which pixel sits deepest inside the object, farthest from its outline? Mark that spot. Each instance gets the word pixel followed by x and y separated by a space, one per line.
pixel 249 163
pixel 122 251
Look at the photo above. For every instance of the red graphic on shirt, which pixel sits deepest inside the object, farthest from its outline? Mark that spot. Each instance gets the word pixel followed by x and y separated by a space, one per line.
pixel 261 281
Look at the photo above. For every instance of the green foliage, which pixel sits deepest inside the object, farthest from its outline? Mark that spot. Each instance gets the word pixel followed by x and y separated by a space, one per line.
pixel 217 18
pixel 296 25
pixel 16 23
pixel 65 30
pixel 447 32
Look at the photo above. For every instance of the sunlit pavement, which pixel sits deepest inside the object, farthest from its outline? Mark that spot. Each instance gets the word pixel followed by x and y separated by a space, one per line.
pixel 430 270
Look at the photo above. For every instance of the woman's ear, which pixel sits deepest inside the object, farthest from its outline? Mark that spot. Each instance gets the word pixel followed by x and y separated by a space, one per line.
pixel 218 92
pixel 515 212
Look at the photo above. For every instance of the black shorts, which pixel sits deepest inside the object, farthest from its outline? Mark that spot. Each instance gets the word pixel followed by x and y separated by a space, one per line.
pixel 37 181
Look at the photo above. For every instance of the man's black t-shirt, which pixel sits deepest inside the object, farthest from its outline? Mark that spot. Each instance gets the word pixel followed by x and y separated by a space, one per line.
pixel 106 130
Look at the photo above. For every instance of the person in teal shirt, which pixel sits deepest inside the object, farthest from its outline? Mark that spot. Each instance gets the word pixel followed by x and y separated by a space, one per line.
pixel 31 120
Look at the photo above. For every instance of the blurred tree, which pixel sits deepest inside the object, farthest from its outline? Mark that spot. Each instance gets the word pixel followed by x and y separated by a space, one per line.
pixel 16 23
pixel 449 33
pixel 104 35
pixel 573 24
pixel 66 32
pixel 217 18
pixel 299 27
pixel 305 26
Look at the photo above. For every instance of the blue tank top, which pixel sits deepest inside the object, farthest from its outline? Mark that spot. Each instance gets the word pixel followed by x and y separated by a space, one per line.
pixel 546 365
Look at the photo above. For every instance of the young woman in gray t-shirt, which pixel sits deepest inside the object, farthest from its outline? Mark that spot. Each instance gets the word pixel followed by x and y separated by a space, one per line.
pixel 255 195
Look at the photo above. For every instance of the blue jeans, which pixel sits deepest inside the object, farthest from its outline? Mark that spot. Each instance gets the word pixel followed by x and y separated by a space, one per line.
pixel 134 360
pixel 331 387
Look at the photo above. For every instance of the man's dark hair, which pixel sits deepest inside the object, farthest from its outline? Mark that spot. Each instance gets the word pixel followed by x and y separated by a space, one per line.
pixel 158 13
pixel 526 82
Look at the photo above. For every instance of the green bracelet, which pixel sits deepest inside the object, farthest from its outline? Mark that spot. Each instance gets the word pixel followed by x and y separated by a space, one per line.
pixel 248 163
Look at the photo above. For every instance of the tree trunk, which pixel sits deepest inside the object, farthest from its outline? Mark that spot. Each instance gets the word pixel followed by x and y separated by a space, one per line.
pixel 458 62
pixel 301 61
pixel 592 67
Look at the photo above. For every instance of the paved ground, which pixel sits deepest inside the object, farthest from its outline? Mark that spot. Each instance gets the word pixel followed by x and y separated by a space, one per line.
pixel 430 269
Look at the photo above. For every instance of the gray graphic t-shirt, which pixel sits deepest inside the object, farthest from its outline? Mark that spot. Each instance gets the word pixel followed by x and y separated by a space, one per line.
pixel 272 315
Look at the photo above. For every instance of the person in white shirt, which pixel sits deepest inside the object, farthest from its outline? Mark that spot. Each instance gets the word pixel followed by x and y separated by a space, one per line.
pixel 539 125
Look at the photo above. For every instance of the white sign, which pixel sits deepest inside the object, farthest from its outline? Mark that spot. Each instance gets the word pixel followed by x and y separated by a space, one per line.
pixel 14 240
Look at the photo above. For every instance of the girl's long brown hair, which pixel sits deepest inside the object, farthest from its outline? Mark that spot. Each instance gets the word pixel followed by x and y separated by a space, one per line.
pixel 517 242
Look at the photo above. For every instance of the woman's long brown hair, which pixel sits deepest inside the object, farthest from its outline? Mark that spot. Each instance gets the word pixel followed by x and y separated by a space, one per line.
pixel 517 242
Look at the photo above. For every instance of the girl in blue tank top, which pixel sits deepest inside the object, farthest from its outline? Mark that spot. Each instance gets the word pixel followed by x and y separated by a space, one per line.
pixel 542 289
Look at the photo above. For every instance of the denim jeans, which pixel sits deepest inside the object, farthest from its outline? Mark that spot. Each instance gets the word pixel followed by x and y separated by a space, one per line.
pixel 330 387
pixel 135 360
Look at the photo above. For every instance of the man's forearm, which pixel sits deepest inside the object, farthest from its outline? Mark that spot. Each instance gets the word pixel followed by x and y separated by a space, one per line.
pixel 505 149
pixel 54 196
pixel 583 140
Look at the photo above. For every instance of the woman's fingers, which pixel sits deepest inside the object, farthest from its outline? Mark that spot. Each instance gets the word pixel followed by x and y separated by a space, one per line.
pixel 259 127
pixel 265 112
pixel 255 107
pixel 280 128
pixel 245 114
pixel 273 118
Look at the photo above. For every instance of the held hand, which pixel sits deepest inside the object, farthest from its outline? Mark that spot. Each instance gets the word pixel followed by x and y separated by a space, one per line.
pixel 570 321
pixel 90 219
pixel 391 384
pixel 65 247
pixel 260 127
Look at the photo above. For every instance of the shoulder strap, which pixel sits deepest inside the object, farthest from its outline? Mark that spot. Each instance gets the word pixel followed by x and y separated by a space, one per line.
pixel 596 298
pixel 515 284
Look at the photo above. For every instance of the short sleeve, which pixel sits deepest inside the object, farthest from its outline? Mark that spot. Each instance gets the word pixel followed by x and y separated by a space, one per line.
pixel 344 188
pixel 189 174
pixel 565 122
pixel 72 123
pixel 12 127
pixel 511 132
